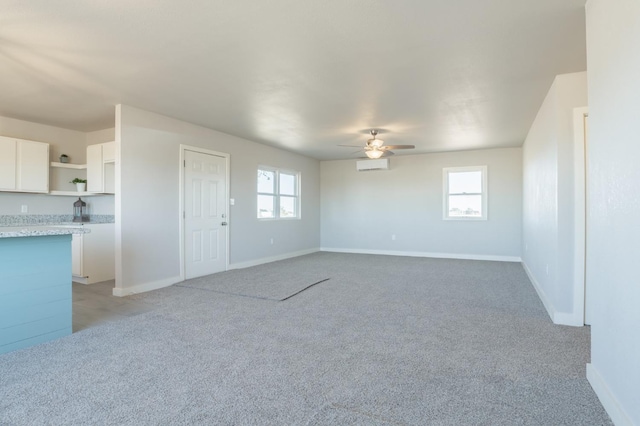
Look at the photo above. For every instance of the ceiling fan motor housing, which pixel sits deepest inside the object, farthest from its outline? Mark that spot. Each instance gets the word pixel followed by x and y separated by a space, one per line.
pixel 373 141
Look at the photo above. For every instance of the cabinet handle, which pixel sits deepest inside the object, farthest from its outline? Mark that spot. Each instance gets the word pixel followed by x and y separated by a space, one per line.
pixel 224 224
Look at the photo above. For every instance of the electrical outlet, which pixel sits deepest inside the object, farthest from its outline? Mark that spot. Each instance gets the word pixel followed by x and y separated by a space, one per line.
pixel 232 201
pixel 271 241
pixel 24 208
pixel 393 237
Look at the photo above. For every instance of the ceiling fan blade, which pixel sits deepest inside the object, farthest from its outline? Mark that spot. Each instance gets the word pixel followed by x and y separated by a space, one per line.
pixel 352 146
pixel 400 146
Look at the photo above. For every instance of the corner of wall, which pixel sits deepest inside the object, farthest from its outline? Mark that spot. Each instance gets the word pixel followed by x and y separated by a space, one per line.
pixel 573 319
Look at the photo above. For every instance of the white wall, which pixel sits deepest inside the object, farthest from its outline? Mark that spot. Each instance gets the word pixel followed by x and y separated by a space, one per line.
pixel 548 198
pixel 61 141
pixel 362 210
pixel 100 136
pixel 147 205
pixel 613 273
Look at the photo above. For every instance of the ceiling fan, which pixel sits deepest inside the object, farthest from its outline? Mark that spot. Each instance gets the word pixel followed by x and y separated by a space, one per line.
pixel 375 148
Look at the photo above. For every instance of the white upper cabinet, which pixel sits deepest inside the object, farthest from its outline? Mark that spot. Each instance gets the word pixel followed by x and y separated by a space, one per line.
pixel 24 165
pixel 100 167
pixel 109 152
pixel 8 164
pixel 95 179
pixel 33 166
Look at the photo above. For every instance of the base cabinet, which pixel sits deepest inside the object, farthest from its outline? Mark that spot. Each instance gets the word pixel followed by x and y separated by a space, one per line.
pixel 35 291
pixel 93 254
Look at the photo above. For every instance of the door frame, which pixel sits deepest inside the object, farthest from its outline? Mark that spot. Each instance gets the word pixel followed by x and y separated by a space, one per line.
pixel 579 215
pixel 181 214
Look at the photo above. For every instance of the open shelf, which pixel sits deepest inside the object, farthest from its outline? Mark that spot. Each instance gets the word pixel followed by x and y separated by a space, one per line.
pixel 74 193
pixel 68 165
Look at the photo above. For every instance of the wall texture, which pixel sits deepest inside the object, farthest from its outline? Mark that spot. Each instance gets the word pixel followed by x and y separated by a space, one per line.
pixel 361 211
pixel 548 197
pixel 613 34
pixel 147 205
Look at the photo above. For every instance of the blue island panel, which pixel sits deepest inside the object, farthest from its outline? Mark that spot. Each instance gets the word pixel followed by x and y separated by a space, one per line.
pixel 35 290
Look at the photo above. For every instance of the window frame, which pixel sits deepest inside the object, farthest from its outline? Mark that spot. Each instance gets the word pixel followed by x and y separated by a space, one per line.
pixel 446 171
pixel 276 194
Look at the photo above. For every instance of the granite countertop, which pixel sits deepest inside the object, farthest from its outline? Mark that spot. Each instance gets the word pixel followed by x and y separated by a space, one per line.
pixel 50 220
pixel 40 231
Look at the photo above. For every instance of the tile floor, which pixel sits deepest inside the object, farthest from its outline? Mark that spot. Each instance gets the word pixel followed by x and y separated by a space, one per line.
pixel 94 304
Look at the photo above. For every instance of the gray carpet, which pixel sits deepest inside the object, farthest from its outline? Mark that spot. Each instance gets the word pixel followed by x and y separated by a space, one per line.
pixel 385 341
pixel 273 281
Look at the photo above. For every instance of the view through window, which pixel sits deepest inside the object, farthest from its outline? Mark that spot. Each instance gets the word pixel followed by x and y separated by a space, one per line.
pixel 465 192
pixel 278 194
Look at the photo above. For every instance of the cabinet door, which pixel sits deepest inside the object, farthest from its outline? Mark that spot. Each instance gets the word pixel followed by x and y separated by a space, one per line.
pixel 98 253
pixel 33 166
pixel 95 175
pixel 7 163
pixel 109 178
pixel 108 152
pixel 76 254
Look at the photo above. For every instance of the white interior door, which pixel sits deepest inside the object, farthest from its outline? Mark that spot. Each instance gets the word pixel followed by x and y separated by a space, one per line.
pixel 205 214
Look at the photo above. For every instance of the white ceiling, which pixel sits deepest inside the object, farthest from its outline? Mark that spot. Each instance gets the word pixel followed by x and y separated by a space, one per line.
pixel 299 74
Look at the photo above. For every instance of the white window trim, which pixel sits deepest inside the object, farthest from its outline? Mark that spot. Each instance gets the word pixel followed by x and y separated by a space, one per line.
pixel 277 195
pixel 445 191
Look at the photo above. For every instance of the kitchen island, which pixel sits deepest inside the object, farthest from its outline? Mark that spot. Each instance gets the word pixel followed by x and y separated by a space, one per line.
pixel 35 285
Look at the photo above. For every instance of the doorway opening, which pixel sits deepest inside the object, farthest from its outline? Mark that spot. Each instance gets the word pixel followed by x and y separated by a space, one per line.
pixel 581 217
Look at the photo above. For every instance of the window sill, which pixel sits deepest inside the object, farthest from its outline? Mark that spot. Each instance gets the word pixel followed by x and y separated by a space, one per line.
pixel 271 219
pixel 472 219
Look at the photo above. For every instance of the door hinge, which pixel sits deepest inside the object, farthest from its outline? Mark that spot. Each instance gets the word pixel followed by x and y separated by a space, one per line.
pixel 184 163
pixel 184 215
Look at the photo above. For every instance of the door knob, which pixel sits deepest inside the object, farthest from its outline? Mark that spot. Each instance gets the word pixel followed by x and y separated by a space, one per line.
pixel 224 224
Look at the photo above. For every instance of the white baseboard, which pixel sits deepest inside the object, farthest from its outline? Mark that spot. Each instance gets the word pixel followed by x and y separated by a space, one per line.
pixel 263 260
pixel 607 398
pixel 88 281
pixel 426 254
pixel 154 285
pixel 80 280
pixel 541 294
pixel 141 288
pixel 568 318
pixel 560 318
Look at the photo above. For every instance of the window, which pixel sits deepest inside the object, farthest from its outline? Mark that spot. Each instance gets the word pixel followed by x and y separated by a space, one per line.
pixel 465 192
pixel 278 194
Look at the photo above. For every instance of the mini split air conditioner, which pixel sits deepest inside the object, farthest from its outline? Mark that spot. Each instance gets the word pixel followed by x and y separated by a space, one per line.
pixel 366 165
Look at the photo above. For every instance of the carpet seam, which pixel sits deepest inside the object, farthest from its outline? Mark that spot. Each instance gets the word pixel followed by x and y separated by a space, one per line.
pixel 252 297
pixel 307 287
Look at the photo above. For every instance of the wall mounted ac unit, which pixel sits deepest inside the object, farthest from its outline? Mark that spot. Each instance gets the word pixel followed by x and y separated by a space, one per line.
pixel 366 165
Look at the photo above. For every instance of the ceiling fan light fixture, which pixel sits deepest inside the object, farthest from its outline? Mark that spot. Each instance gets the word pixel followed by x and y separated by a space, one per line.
pixel 374 153
pixel 376 142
